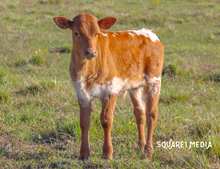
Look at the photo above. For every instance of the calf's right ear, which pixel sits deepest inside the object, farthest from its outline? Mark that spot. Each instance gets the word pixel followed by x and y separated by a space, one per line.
pixel 63 22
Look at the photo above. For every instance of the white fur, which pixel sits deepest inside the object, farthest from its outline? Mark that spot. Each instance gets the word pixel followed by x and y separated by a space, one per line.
pixel 115 86
pixel 130 33
pixel 154 85
pixel 146 33
pixel 82 95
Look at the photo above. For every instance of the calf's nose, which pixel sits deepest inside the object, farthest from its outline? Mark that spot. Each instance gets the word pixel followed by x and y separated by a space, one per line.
pixel 91 52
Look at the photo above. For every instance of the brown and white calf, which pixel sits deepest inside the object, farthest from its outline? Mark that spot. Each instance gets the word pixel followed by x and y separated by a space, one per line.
pixel 105 64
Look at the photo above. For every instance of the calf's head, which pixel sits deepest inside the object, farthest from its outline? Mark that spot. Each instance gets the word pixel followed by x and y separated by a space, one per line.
pixel 85 32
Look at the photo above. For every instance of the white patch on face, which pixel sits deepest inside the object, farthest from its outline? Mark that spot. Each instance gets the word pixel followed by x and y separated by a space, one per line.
pixel 137 94
pixel 113 35
pixel 115 86
pixel 104 34
pixel 146 33
pixel 154 85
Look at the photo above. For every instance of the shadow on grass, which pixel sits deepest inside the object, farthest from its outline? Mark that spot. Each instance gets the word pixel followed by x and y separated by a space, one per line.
pixel 65 49
pixel 65 164
pixel 92 165
pixel 37 60
pixel 20 63
pixel 36 88
pixel 64 132
pixel 169 70
pixel 35 156
pixel 58 142
pixel 213 77
pixel 24 156
pixel 41 166
pixel 49 138
pixel 174 98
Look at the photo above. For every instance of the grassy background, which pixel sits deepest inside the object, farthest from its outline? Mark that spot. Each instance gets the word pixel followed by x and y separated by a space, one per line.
pixel 39 113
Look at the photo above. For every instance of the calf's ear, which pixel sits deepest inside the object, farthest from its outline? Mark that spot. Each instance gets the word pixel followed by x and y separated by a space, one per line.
pixel 107 22
pixel 63 22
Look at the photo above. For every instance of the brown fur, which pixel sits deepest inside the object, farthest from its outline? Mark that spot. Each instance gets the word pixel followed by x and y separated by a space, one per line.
pixel 98 57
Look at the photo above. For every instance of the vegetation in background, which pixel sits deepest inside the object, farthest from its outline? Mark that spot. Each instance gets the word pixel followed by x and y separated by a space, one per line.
pixel 39 112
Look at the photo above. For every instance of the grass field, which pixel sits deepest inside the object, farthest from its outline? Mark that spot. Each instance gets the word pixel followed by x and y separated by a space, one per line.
pixel 39 113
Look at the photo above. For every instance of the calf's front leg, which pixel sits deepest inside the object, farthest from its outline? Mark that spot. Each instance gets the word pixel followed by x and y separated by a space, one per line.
pixel 85 113
pixel 106 117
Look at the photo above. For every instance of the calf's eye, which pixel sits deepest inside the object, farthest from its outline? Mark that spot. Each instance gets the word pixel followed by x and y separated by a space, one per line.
pixel 75 33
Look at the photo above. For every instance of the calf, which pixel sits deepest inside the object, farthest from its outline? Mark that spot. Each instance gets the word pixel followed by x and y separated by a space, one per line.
pixel 105 64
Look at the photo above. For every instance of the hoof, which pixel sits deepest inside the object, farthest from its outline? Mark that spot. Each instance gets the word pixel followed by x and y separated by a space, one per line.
pixel 141 144
pixel 83 158
pixel 148 151
pixel 108 158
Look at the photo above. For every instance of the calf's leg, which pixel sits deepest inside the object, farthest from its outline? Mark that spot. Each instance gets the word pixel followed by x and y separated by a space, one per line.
pixel 139 112
pixel 152 96
pixel 106 117
pixel 85 113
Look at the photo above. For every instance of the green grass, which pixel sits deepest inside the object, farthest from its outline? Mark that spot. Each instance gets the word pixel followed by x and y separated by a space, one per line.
pixel 39 112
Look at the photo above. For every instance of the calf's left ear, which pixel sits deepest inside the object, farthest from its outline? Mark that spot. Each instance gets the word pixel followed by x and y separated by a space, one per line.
pixel 107 22
pixel 63 22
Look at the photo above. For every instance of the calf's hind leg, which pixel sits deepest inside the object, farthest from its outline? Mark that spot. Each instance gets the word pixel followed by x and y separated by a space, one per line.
pixel 139 112
pixel 106 117
pixel 152 96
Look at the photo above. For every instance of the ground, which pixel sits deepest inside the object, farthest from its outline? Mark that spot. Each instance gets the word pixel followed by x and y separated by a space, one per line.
pixel 39 112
